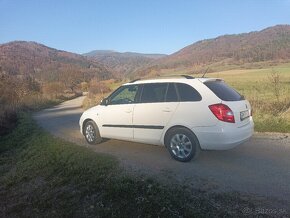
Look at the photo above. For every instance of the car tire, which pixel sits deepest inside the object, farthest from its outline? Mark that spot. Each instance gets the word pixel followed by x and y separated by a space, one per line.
pixel 91 133
pixel 182 144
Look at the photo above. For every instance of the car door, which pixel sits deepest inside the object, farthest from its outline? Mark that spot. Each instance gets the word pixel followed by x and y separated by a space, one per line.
pixel 116 115
pixel 154 111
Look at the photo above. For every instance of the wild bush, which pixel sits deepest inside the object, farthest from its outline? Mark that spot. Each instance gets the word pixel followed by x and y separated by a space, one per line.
pixel 97 87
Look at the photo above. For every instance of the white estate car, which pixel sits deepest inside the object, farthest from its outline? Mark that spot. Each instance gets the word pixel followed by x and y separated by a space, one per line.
pixel 185 114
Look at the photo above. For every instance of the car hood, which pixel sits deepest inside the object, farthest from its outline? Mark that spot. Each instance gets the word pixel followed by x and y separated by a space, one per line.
pixel 92 109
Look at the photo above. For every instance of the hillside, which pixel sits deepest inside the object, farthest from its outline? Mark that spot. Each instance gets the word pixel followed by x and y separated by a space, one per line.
pixel 47 64
pixel 34 76
pixel 126 63
pixel 269 45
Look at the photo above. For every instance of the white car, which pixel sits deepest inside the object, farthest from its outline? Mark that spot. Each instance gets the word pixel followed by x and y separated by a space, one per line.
pixel 185 114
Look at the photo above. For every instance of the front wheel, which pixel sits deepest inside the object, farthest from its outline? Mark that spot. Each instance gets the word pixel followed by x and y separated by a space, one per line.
pixel 182 144
pixel 91 133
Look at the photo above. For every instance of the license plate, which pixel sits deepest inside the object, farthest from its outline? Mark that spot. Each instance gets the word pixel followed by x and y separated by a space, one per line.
pixel 244 115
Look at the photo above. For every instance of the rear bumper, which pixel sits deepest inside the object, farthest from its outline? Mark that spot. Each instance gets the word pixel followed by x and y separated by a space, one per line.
pixel 223 137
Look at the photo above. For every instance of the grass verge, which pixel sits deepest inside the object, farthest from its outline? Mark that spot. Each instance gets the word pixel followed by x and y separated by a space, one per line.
pixel 41 176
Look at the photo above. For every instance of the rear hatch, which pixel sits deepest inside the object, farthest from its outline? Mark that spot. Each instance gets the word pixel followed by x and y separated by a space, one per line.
pixel 241 110
pixel 230 97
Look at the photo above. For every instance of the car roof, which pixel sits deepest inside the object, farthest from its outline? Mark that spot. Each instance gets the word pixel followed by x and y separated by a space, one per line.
pixel 170 79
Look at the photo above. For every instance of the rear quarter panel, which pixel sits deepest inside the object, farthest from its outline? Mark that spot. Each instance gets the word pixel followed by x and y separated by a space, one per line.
pixel 195 114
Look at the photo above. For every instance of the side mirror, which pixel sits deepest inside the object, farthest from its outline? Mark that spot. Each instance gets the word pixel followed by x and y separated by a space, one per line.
pixel 104 101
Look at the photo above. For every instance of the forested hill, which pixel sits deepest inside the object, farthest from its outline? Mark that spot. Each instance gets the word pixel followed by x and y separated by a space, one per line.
pixel 270 44
pixel 125 63
pixel 47 64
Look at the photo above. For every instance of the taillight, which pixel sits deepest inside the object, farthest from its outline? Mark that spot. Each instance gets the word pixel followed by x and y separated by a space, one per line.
pixel 222 112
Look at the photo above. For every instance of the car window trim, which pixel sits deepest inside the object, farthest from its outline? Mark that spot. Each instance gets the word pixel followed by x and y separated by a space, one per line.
pixel 138 93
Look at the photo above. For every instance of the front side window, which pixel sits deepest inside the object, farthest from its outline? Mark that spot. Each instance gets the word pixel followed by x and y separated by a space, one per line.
pixel 124 95
pixel 154 92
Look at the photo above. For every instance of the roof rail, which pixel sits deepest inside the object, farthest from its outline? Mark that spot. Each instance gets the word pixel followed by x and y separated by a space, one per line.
pixel 134 80
pixel 180 75
pixel 185 76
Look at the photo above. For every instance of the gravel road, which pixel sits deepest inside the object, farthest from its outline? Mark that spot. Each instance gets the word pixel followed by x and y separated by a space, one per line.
pixel 260 167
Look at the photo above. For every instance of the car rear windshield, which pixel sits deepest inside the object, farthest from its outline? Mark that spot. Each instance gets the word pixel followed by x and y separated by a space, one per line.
pixel 223 91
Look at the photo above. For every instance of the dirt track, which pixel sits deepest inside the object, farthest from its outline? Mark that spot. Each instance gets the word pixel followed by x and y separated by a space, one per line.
pixel 260 166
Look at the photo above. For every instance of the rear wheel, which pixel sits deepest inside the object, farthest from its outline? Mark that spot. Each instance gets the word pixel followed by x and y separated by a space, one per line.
pixel 182 144
pixel 91 133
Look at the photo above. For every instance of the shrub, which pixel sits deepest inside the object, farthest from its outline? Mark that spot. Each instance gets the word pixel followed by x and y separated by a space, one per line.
pixel 97 87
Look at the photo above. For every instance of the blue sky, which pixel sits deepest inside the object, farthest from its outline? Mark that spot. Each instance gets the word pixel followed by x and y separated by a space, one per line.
pixel 147 26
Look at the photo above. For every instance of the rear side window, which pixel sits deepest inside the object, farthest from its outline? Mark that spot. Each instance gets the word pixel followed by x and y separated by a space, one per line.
pixel 223 91
pixel 154 92
pixel 187 93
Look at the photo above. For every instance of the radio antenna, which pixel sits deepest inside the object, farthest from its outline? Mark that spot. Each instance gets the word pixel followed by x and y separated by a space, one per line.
pixel 205 72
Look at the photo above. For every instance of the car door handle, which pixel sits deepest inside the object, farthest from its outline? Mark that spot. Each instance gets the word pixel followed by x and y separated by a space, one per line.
pixel 166 109
pixel 128 111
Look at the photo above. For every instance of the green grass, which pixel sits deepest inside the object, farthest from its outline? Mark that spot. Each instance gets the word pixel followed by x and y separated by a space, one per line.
pixel 41 176
pixel 271 114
